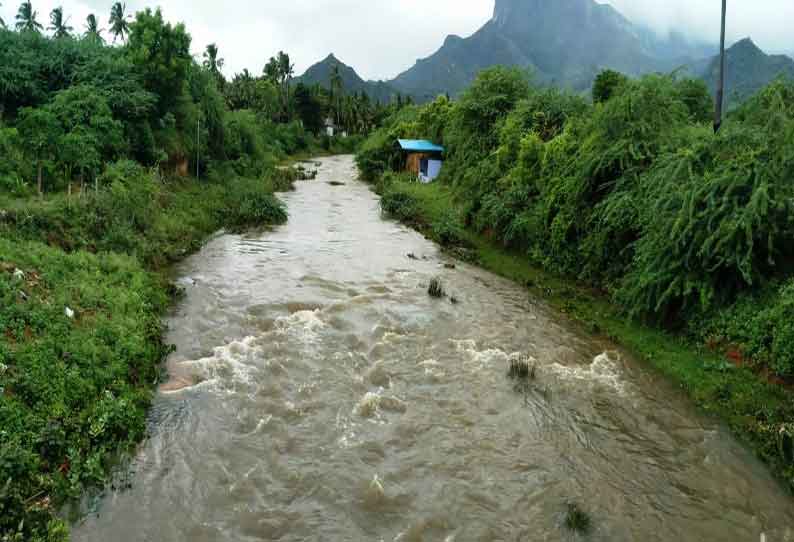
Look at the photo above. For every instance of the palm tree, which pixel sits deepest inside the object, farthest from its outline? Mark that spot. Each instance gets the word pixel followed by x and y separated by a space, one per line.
pixel 721 84
pixel 211 60
pixel 286 70
pixel 213 64
pixel 2 22
pixel 59 27
pixel 26 19
pixel 92 30
pixel 119 22
pixel 336 90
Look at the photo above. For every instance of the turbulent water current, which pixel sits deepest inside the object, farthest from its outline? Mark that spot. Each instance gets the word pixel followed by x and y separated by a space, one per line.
pixel 318 393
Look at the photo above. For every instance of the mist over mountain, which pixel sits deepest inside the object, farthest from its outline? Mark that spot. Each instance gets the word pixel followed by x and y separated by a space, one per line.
pixel 565 43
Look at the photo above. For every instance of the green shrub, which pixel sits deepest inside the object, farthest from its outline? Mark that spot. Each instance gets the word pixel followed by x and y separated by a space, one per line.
pixel 254 206
pixel 608 84
pixel 448 230
pixel 719 221
pixel 758 326
pixel 399 205
pixel 75 389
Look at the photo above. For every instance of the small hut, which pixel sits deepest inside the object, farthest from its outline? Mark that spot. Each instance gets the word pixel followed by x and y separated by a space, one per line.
pixel 422 158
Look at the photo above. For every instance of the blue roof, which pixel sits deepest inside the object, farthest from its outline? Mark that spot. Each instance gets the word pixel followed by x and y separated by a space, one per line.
pixel 419 145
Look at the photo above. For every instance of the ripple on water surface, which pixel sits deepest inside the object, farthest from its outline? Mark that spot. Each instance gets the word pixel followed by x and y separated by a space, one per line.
pixel 318 393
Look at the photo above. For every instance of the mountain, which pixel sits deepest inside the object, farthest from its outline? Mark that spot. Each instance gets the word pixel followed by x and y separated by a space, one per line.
pixel 320 74
pixel 747 70
pixel 565 42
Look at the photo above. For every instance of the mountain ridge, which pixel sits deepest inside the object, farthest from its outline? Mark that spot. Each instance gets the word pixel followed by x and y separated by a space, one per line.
pixel 320 74
pixel 564 43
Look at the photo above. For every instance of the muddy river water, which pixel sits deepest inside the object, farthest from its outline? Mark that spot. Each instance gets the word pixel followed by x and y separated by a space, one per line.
pixel 318 393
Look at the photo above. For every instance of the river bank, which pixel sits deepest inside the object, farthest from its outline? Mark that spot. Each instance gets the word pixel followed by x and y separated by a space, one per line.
pixel 329 397
pixel 83 289
pixel 759 412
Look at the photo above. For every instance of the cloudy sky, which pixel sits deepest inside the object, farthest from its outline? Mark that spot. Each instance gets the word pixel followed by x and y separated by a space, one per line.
pixel 381 38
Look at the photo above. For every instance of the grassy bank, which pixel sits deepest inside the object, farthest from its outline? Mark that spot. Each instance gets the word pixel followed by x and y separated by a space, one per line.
pixel 761 413
pixel 82 293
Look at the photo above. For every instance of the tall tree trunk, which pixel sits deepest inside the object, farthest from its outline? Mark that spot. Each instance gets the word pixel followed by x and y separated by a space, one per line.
pixel 721 83
pixel 39 183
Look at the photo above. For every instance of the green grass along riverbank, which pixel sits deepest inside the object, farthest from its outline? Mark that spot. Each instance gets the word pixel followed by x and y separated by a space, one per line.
pixel 83 288
pixel 754 408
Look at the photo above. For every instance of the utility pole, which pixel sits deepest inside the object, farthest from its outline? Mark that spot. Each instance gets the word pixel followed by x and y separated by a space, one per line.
pixel 721 82
pixel 198 147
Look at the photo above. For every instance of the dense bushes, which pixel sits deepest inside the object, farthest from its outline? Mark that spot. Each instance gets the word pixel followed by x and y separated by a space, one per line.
pixel 81 346
pixel 633 193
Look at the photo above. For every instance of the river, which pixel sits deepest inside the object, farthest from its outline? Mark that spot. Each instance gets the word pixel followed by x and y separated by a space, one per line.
pixel 318 393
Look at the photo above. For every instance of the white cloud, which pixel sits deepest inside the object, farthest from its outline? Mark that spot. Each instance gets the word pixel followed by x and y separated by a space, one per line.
pixel 768 22
pixel 381 38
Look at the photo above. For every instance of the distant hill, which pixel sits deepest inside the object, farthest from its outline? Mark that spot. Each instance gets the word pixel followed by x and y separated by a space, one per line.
pixel 320 74
pixel 565 42
pixel 747 70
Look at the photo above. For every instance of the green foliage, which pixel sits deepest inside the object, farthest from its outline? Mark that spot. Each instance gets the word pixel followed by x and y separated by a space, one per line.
pixel 254 206
pixel 161 52
pixel 75 389
pixel 309 109
pixel 607 84
pixel 719 220
pixel 399 205
pixel 448 230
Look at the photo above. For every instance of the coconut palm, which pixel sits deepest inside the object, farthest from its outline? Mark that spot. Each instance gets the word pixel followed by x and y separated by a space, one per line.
pixel 119 22
pixel 337 89
pixel 92 30
pixel 721 83
pixel 213 64
pixel 59 26
pixel 26 19
pixel 211 60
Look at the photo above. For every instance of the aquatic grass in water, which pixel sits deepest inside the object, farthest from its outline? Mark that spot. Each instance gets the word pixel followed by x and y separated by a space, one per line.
pixel 436 289
pixel 522 368
pixel 576 519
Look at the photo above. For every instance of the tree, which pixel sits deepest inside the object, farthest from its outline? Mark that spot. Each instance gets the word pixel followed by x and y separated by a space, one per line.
pixel 2 22
pixel 26 19
pixel 40 131
pixel 161 52
pixel 280 70
pixel 721 83
pixel 337 91
pixel 89 135
pixel 119 22
pixel 92 31
pixel 308 108
pixel 78 152
pixel 214 64
pixel 60 28
pixel 607 84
